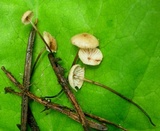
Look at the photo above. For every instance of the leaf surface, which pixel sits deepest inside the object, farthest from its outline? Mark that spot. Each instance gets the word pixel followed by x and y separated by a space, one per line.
pixel 128 32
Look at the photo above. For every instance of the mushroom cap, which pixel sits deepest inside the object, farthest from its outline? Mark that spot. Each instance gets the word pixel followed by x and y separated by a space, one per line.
pixel 51 41
pixel 85 40
pixel 27 16
pixel 76 76
pixel 90 56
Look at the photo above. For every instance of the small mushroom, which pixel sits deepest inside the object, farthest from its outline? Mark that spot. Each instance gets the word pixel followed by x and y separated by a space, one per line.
pixel 27 17
pixel 51 41
pixel 76 76
pixel 85 40
pixel 90 56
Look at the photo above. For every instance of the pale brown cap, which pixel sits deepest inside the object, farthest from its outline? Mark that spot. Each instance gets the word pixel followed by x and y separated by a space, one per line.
pixel 51 41
pixel 85 40
pixel 27 16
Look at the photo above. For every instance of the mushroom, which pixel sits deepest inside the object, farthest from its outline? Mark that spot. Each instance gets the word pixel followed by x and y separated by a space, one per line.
pixel 26 19
pixel 87 44
pixel 85 40
pixel 90 56
pixel 76 76
pixel 51 41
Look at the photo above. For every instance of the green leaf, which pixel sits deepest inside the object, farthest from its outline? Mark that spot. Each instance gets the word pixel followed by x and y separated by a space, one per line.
pixel 128 32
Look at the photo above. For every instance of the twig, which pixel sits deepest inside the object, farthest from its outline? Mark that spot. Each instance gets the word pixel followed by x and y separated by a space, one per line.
pixel 31 121
pixel 64 83
pixel 35 63
pixel 26 80
pixel 105 121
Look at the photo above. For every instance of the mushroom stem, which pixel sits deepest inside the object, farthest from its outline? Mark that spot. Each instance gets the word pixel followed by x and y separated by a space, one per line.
pixel 75 59
pixel 122 96
pixel 40 36
pixel 37 58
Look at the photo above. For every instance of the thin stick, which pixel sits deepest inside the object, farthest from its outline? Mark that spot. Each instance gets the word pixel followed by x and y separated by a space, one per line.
pixel 123 97
pixel 35 63
pixel 26 80
pixel 105 121
pixel 10 90
pixel 15 82
pixel 31 121
pixel 64 83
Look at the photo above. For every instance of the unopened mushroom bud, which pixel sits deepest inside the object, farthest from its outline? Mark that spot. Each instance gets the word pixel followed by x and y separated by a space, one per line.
pixel 85 40
pixel 27 17
pixel 90 56
pixel 51 41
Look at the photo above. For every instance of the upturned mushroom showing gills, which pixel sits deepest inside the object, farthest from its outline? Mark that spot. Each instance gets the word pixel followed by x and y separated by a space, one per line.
pixel 90 56
pixel 27 17
pixel 76 76
pixel 85 40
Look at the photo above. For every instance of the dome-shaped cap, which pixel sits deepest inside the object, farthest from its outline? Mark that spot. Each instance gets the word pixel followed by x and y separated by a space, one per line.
pixel 85 40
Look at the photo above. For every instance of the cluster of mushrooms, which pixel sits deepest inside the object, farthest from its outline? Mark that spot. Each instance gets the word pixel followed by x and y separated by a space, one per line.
pixel 88 52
